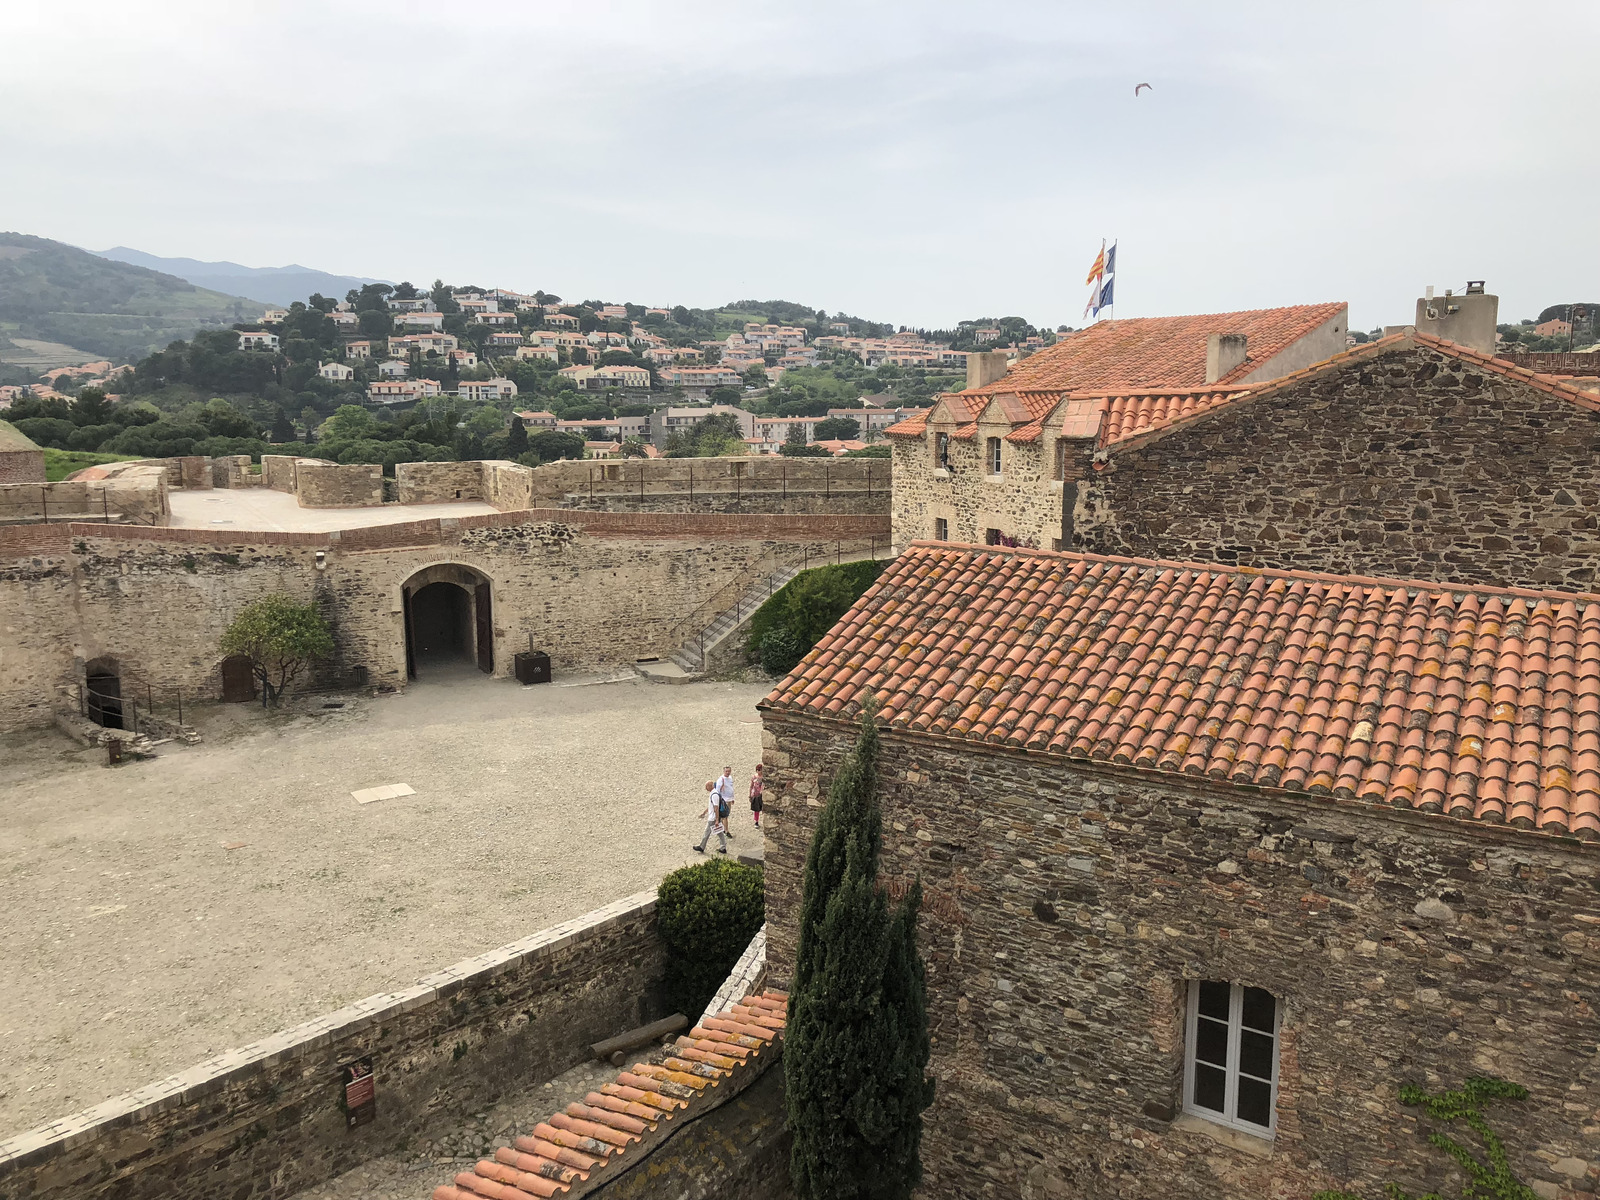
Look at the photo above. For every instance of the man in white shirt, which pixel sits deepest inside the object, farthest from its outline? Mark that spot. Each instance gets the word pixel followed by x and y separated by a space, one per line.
pixel 725 791
pixel 713 816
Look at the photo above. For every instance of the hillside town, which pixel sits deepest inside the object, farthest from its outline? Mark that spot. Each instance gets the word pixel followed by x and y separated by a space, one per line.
pixel 994 737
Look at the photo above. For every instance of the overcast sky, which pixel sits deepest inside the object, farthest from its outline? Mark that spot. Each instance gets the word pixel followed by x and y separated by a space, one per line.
pixel 918 162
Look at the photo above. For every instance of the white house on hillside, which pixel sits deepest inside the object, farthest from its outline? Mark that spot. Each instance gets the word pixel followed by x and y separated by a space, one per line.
pixel 337 371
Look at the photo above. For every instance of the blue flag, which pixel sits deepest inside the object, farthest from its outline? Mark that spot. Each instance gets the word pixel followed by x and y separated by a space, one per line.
pixel 1111 259
pixel 1104 299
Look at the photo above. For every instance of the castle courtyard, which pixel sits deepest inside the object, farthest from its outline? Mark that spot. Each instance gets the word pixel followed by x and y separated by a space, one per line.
pixel 162 911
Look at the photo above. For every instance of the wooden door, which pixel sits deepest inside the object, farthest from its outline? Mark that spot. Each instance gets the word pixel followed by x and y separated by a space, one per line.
pixel 485 629
pixel 411 654
pixel 238 680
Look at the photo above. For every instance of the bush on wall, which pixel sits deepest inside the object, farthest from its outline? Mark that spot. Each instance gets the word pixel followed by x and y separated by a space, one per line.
pixel 794 620
pixel 708 913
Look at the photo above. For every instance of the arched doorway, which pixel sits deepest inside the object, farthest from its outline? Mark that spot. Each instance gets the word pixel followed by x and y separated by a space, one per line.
pixel 448 619
pixel 102 686
pixel 238 680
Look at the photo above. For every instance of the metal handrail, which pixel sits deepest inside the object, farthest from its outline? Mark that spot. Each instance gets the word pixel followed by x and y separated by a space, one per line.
pixel 708 610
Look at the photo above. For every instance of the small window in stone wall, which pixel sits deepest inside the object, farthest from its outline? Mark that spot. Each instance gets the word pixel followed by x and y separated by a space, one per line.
pixel 941 450
pixel 1231 1061
pixel 941 530
pixel 994 456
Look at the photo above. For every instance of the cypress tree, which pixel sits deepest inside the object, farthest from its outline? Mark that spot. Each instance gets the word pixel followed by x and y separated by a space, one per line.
pixel 517 439
pixel 856 1044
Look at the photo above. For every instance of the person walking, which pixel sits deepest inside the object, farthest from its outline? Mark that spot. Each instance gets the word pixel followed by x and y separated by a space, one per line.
pixel 757 786
pixel 713 816
pixel 725 790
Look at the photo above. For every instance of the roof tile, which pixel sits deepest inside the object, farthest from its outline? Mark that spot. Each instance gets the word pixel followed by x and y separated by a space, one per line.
pixel 1474 702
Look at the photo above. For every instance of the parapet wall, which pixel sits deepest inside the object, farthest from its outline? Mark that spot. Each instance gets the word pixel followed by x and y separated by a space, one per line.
pixel 338 485
pixel 763 475
pixel 133 492
pixel 268 1120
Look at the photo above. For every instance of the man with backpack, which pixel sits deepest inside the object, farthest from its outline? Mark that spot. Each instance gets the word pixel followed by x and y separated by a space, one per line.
pixel 714 822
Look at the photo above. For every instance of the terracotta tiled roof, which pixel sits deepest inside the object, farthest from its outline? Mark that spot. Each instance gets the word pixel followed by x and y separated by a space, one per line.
pixel 1480 703
pixel 1159 352
pixel 1119 417
pixel 606 1135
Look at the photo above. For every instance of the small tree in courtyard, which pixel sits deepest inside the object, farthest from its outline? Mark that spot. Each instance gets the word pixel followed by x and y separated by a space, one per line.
pixel 281 639
pixel 856 1044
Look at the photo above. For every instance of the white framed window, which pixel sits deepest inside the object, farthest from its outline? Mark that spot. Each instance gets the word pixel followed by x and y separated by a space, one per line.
pixel 941 529
pixel 1231 1056
pixel 994 456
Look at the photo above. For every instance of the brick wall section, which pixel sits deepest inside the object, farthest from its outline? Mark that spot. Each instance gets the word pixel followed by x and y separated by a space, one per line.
pixel 22 466
pixel 265 1121
pixel 591 589
pixel 338 485
pixel 1066 904
pixel 1411 465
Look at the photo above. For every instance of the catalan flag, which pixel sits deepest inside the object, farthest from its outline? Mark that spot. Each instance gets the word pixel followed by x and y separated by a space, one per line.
pixel 1099 269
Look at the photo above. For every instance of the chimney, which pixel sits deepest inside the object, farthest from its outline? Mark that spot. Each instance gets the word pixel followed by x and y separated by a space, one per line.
pixel 1468 318
pixel 984 367
pixel 1224 352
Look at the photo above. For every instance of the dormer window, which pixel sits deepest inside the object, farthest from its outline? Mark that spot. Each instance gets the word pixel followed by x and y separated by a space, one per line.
pixel 994 456
pixel 941 450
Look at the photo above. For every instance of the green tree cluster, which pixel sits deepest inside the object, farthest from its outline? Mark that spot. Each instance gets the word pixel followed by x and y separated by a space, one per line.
pixel 718 435
pixel 856 1042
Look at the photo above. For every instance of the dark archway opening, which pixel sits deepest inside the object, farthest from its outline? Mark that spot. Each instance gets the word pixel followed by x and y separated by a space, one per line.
pixel 102 685
pixel 441 623
pixel 448 619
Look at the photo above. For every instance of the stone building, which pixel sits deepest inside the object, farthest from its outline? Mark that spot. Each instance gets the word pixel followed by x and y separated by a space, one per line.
pixel 1408 456
pixel 1215 860
pixel 20 460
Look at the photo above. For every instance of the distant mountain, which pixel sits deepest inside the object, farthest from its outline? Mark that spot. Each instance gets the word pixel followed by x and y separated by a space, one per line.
pixel 55 293
pixel 275 285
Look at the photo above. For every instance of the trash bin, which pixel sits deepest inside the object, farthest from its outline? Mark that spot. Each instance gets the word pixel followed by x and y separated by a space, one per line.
pixel 533 667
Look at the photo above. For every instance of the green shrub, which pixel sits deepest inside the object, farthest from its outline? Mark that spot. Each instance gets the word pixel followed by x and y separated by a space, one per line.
pixel 708 913
pixel 807 607
pixel 781 651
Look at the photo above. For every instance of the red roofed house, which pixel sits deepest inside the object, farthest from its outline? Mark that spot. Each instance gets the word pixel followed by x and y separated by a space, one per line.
pixel 1256 439
pixel 1213 860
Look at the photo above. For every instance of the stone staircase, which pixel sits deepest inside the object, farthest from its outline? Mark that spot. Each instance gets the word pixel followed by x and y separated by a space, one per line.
pixel 687 662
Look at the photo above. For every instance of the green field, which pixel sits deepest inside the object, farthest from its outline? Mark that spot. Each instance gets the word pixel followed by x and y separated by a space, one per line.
pixel 58 464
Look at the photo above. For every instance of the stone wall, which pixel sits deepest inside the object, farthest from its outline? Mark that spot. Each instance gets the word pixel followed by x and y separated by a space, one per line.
pixel 278 472
pixel 591 589
pixel 194 472
pixel 761 474
pixel 134 492
pixel 438 482
pixel 267 1121
pixel 338 485
pixel 1068 904
pixel 233 471
pixel 22 466
pixel 840 500
pixel 1022 502
pixel 1414 465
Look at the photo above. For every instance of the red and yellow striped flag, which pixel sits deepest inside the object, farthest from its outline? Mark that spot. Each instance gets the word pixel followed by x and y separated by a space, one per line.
pixel 1097 271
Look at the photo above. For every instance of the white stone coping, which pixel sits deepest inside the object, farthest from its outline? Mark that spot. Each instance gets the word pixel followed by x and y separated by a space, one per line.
pixel 743 979
pixel 74 1130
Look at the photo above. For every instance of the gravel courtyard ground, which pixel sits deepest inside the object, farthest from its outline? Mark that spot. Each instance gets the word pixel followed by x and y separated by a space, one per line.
pixel 137 944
